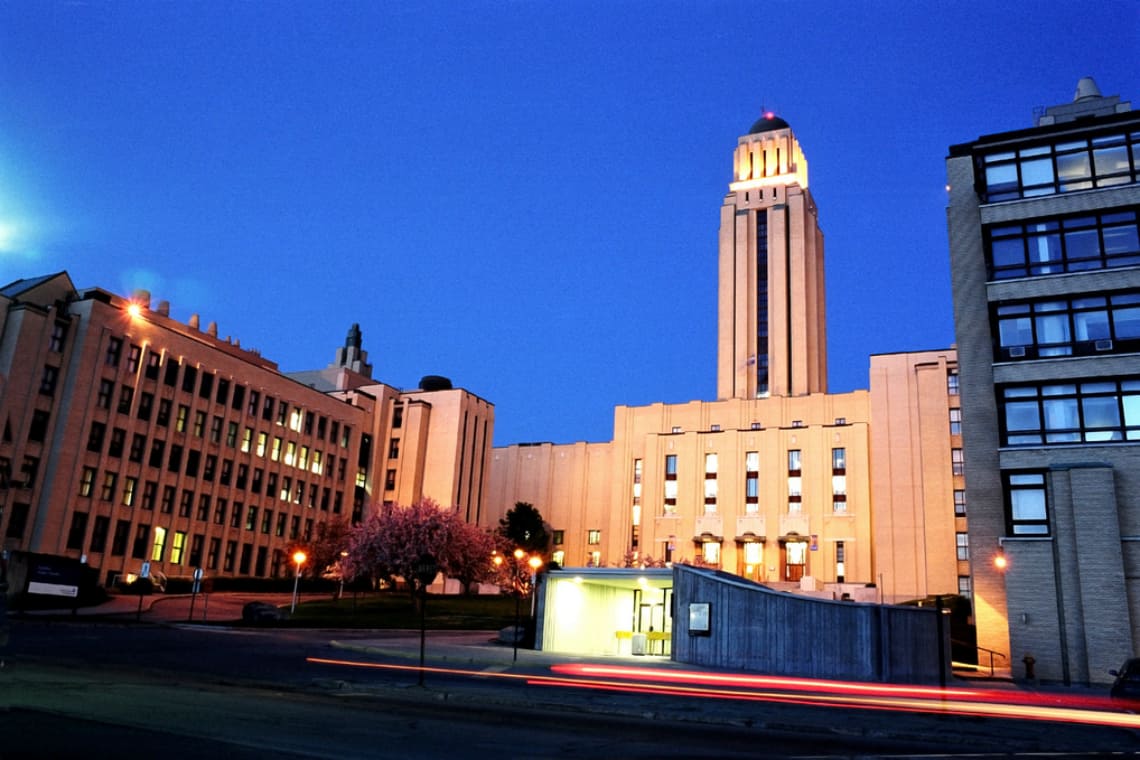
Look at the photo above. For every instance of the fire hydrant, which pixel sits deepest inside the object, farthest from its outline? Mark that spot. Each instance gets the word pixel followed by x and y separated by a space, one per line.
pixel 1029 663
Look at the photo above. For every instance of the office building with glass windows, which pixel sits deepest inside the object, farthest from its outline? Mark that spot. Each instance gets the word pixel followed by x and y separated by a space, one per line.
pixel 1044 227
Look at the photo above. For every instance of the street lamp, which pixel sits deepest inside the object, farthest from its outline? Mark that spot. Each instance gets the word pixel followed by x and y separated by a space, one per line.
pixel 535 562
pixel 299 557
pixel 517 581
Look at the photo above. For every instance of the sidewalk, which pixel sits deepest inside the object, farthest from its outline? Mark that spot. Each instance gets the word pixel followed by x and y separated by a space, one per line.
pixel 221 607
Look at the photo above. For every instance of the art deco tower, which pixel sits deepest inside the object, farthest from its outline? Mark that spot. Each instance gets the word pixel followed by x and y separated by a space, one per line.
pixel 771 325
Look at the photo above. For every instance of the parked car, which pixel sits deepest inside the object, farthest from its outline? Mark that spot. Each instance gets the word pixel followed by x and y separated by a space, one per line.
pixel 261 612
pixel 1126 687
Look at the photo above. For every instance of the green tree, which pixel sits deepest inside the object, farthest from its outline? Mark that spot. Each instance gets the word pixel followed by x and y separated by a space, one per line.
pixel 523 527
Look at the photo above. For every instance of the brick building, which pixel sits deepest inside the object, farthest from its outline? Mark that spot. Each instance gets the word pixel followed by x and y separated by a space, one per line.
pixel 1045 257
pixel 128 436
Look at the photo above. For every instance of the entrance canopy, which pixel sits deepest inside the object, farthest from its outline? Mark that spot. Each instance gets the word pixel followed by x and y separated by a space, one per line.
pixel 598 610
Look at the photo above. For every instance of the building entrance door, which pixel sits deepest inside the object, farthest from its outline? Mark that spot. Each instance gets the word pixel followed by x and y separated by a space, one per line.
pixel 793 560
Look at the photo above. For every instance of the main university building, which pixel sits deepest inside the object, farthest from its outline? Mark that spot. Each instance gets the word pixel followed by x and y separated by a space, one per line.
pixel 858 494
pixel 127 436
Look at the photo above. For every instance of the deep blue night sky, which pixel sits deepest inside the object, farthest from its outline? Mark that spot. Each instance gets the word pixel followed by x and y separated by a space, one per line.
pixel 523 196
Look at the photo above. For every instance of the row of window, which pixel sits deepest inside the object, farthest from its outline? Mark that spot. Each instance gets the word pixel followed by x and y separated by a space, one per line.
pixel 164 414
pixel 1064 166
pixel 222 392
pixel 297 493
pixel 300 457
pixel 756 425
pixel 1097 411
pixel 751 482
pixel 277 524
pixel 152 543
pixel 1064 327
pixel 1064 244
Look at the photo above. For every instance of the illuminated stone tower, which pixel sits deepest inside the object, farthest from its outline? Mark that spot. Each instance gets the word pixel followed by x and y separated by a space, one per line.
pixel 771 326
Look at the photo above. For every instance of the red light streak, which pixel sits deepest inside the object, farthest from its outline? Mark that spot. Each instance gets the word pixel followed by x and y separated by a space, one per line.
pixel 992 703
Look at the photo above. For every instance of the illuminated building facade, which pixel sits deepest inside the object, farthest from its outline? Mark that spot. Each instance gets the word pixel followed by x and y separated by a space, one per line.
pixel 1044 228
pixel 771 335
pixel 128 436
pixel 918 495
pixel 776 480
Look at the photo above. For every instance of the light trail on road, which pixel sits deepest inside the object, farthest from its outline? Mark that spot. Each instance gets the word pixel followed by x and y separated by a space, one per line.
pixel 802 691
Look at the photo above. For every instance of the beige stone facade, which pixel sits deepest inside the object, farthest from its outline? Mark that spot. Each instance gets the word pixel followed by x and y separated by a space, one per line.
pixel 771 318
pixel 921 541
pixel 777 481
pixel 130 437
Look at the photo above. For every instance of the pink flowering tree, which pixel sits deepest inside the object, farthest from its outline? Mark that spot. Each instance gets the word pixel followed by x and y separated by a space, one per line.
pixel 390 542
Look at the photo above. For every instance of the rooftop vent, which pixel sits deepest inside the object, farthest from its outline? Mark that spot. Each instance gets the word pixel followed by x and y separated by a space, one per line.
pixel 435 383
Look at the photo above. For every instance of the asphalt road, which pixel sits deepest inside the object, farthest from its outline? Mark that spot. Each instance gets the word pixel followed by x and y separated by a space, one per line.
pixel 81 687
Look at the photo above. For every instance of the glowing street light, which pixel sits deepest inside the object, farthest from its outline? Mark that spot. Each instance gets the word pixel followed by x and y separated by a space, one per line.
pixel 518 580
pixel 299 557
pixel 535 562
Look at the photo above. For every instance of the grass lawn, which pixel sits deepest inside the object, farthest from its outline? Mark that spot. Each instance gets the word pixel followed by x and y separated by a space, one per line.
pixel 390 609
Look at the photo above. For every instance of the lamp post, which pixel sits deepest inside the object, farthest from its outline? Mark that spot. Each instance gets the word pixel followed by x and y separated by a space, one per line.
pixel 299 557
pixel 425 570
pixel 517 580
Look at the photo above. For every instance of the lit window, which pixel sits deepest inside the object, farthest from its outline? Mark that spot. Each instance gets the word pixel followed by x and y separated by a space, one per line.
pixel 129 485
pixel 963 542
pixel 86 481
pixel 1026 503
pixel 159 547
pixel 710 552
pixel 593 537
pixel 177 547
pixel 965 588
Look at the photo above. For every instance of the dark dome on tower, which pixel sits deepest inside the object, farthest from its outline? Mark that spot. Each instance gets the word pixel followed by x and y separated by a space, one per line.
pixel 767 123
